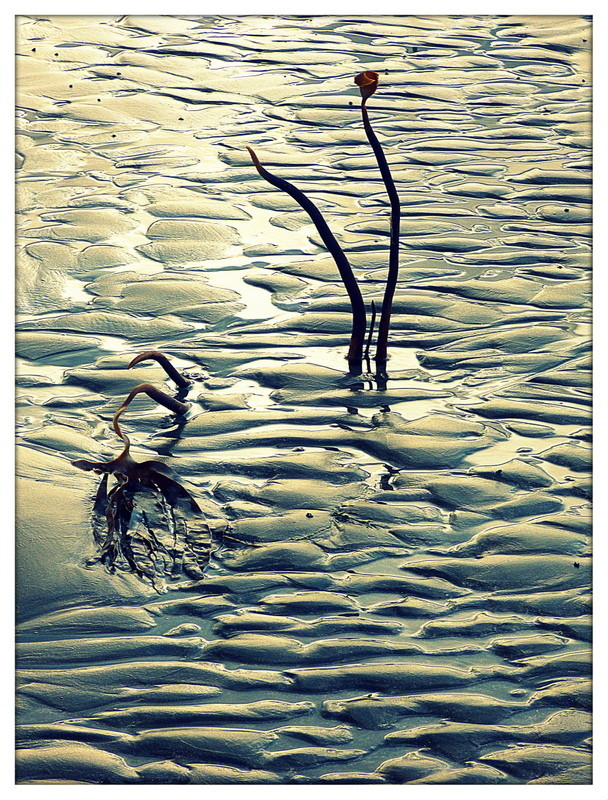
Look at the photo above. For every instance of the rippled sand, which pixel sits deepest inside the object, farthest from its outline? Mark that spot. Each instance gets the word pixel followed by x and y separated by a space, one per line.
pixel 398 589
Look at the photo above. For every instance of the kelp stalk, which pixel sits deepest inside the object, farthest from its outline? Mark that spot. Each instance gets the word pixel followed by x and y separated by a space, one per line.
pixel 161 358
pixel 154 394
pixel 368 83
pixel 124 463
pixel 355 351
pixel 148 520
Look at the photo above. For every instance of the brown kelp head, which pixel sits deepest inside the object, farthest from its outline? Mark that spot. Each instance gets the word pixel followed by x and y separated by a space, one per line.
pixel 367 83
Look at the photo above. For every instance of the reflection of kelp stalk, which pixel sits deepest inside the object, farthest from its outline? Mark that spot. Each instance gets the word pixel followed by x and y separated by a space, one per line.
pixel 368 83
pixel 370 335
pixel 147 519
pixel 355 351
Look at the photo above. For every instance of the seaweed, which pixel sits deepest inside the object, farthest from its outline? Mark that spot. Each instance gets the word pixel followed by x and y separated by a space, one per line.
pixel 147 521
pixel 367 83
pixel 355 350
pixel 144 521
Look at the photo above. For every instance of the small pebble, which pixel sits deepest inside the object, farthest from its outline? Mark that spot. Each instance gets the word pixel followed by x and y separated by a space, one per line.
pixel 186 629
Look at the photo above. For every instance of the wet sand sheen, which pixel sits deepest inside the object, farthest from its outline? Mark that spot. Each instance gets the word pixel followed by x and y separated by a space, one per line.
pixel 398 588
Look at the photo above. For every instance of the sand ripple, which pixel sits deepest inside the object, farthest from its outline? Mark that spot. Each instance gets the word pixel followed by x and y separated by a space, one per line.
pixel 398 589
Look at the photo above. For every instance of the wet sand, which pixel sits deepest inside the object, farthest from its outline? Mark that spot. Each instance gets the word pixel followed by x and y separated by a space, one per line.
pixel 398 582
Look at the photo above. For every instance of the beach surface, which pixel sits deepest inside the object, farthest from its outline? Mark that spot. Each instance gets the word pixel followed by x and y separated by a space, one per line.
pixel 392 581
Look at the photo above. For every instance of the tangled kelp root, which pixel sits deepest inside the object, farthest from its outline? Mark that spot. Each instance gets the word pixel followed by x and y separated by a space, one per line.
pixel 147 522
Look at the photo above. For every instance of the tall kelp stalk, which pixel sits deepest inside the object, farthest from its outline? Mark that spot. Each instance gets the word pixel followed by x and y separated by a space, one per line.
pixel 355 350
pixel 368 83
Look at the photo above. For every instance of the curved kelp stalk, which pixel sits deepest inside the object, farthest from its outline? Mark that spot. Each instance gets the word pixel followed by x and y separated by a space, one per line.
pixel 155 355
pixel 368 83
pixel 147 522
pixel 355 350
